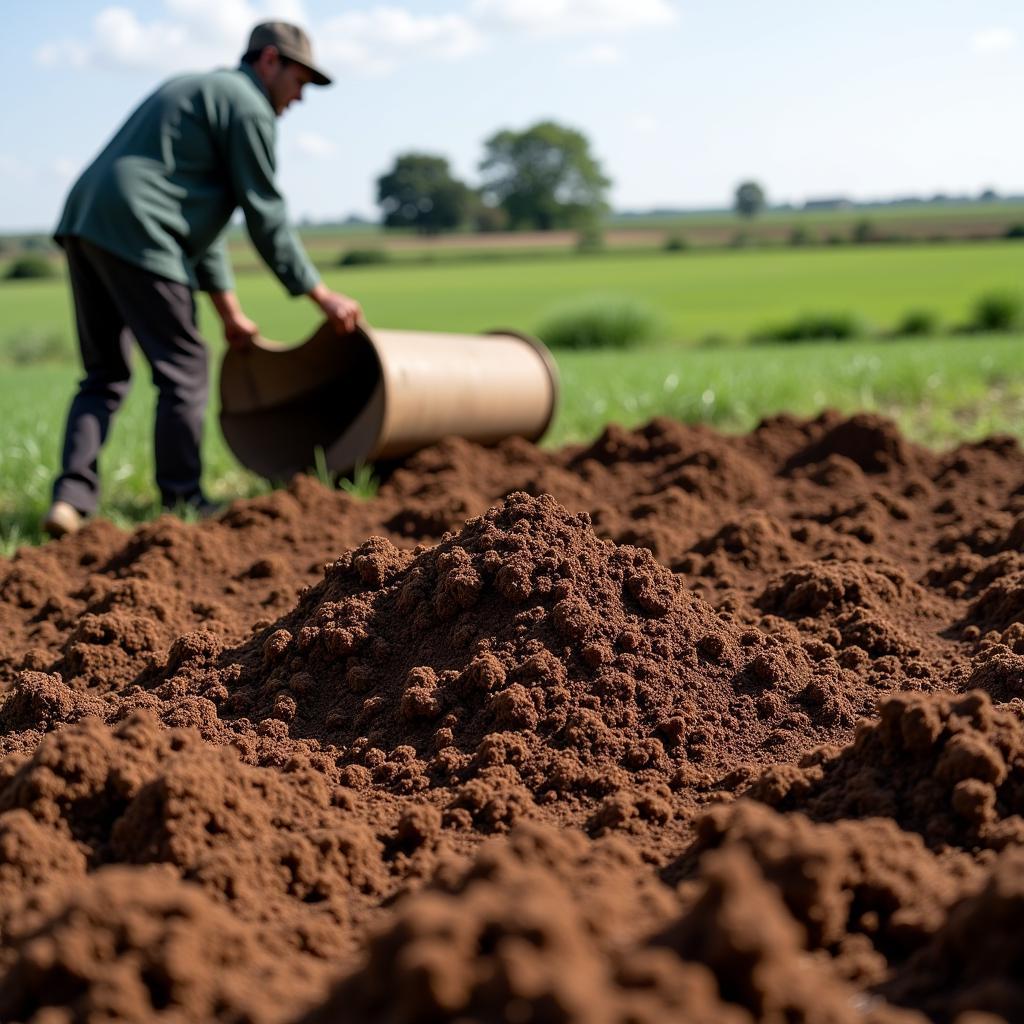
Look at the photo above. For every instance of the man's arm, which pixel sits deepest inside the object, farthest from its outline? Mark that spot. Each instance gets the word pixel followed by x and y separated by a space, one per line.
pixel 253 173
pixel 213 274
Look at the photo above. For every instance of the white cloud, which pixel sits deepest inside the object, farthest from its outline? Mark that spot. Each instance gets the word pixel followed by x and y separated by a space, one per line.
pixel 191 34
pixel 599 53
pixel 378 40
pixel 316 146
pixel 993 40
pixel 124 41
pixel 574 17
pixel 230 20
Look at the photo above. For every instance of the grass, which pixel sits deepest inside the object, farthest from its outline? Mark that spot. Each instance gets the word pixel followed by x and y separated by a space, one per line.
pixel 602 321
pixel 726 292
pixel 940 390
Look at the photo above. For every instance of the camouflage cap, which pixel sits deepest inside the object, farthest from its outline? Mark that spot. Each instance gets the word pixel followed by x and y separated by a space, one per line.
pixel 291 42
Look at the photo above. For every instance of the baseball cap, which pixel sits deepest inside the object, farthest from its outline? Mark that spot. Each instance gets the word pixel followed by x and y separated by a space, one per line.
pixel 291 42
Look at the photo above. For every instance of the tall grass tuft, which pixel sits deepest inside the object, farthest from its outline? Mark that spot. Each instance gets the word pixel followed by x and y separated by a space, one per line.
pixel 35 345
pixel 599 323
pixel 916 323
pixel 998 311
pixel 361 483
pixel 816 327
pixel 364 257
pixel 320 470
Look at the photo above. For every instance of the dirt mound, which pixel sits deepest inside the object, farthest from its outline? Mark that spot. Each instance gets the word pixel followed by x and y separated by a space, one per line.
pixel 526 656
pixel 508 940
pixel 516 935
pixel 755 540
pixel 870 442
pixel 138 945
pixel 251 769
pixel 739 928
pixel 873 615
pixel 1000 605
pixel 973 962
pixel 998 667
pixel 864 891
pixel 948 768
pixel 836 587
pixel 279 848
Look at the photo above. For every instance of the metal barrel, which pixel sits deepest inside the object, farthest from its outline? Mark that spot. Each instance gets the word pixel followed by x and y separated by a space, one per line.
pixel 374 395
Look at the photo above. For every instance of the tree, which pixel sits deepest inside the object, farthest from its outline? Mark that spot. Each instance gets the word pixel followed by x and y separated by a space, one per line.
pixel 750 199
pixel 543 177
pixel 419 192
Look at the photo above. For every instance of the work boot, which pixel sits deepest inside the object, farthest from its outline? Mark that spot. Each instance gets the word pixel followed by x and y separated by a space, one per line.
pixel 62 519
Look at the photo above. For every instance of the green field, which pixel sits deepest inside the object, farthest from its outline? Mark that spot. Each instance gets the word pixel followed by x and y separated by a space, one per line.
pixel 940 389
pixel 721 292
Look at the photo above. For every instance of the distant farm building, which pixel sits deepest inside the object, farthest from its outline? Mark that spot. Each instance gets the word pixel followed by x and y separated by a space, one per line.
pixel 832 203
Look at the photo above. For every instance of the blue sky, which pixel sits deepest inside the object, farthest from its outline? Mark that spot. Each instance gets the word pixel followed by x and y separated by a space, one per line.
pixel 680 99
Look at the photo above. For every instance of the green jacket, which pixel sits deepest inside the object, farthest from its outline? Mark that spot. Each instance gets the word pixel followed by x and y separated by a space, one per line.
pixel 162 191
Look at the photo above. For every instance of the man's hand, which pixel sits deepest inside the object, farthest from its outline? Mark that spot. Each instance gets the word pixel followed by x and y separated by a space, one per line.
pixel 239 330
pixel 343 312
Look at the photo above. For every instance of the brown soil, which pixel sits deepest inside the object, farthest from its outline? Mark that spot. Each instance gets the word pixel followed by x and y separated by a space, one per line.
pixel 672 727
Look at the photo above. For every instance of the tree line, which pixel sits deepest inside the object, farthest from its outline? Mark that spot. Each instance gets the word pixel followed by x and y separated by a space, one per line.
pixel 542 178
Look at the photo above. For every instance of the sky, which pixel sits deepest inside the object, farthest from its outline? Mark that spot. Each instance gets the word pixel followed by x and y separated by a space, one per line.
pixel 680 99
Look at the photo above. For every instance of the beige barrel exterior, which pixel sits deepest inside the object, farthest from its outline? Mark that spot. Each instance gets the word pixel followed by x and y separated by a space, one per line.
pixel 375 395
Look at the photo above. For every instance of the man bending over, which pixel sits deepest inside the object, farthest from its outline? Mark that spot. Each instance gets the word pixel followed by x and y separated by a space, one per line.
pixel 143 229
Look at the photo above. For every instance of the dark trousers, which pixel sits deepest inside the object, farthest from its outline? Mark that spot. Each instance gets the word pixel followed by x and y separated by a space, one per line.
pixel 114 301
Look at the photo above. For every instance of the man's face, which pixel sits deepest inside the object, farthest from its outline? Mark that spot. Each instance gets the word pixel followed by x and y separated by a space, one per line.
pixel 284 83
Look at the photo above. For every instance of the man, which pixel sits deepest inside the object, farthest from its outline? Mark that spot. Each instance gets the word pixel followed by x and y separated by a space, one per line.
pixel 143 228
